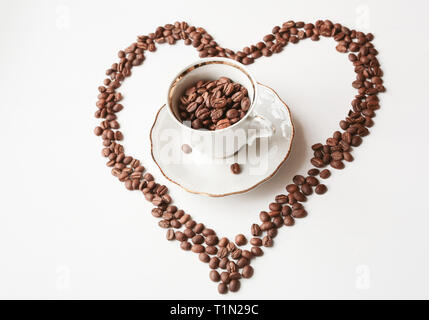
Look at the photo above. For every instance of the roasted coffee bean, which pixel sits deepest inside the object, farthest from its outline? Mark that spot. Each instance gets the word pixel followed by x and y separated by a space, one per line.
pixel 256 242
pixel 175 223
pixel 317 162
pixel 313 172
pixel 214 263
pixel 247 272
pixel 224 277
pixel 317 146
pixel 232 113
pixel 222 253
pixel 286 210
pixel 236 254
pixel 344 125
pixel 204 257
pixel 98 131
pixel 289 221
pixel 185 218
pixel 231 266
pixel 230 247
pixel 170 234
pixel 242 262
pixel 312 181
pixel 274 206
pixel 185 245
pixel 356 141
pixel 157 212
pixel 212 240
pixel 257 251
pixel 299 196
pixel 306 189
pixel 255 230
pixel 223 262
pixel 235 276
pixel 190 224
pixel 321 189
pixel 274 213
pixel 347 156
pixel 325 174
pixel 337 164
pixel 197 248
pixel 172 209
pixel 179 214
pixel 267 241
pixel 297 206
pixel 198 239
pixel 240 239
pixel 235 168
pixel 222 288
pixel 337 155
pixel 208 232
pixel 234 285
pixel 298 179
pixel 264 216
pixel 189 233
pixel 214 276
pixel 164 223
pixel 198 228
pixel 281 198
pixel 278 222
pixel 299 213
pixel 222 124
pixel 326 158
pixel 245 104
pixel 247 254
pixel 291 188
pixel 267 225
pixel 223 242
pixel 345 146
pixel 272 233
pixel 212 250
pixel 180 236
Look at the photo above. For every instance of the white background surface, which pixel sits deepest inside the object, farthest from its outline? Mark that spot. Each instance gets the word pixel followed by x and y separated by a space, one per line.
pixel 68 229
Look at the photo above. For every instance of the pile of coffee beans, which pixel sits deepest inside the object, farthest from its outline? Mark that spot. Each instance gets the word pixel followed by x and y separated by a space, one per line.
pixel 221 253
pixel 214 105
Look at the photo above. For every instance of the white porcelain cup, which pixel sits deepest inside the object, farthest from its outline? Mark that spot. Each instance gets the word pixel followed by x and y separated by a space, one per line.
pixel 225 142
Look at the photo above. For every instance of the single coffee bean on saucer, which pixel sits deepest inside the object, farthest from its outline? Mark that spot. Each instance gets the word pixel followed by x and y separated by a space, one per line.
pixel 235 168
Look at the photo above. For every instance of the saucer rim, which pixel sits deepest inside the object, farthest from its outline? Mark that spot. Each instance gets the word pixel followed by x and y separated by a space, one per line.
pixel 235 192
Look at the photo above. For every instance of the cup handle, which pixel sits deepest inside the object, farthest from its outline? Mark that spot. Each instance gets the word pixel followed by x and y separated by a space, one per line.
pixel 265 128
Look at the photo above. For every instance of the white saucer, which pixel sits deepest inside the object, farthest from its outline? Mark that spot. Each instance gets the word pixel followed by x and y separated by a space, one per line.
pixel 199 174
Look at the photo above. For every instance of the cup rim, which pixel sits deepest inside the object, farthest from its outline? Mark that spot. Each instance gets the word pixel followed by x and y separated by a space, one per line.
pixel 203 61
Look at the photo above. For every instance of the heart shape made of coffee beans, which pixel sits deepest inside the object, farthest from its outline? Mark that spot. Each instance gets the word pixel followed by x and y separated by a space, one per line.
pixel 222 253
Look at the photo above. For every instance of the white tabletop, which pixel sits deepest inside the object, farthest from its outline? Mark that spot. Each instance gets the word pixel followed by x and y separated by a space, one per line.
pixel 68 229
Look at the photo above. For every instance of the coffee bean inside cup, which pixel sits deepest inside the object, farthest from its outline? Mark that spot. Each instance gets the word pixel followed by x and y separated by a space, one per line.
pixel 214 105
